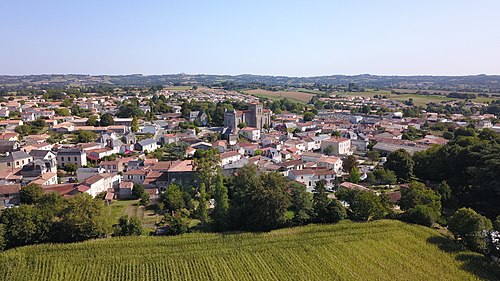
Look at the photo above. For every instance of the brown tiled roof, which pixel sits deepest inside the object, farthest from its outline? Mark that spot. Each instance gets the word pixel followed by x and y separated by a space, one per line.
pixel 10 188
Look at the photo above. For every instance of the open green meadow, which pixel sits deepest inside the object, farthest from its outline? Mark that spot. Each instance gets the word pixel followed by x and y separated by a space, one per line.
pixel 381 250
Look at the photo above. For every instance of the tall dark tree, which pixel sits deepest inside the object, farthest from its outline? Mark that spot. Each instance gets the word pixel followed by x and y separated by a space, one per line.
pixel 469 226
pixel 30 193
pixel 107 120
pixel 418 194
pixel 302 206
pixel 82 218
pixel 201 210
pixel 349 162
pixel 220 213
pixel 401 163
pixel 172 198
pixel 260 200
pixel 24 226
pixel 2 237
pixel 127 226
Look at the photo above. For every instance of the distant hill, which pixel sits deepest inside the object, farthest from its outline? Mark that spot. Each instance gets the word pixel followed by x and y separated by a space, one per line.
pixel 473 83
pixel 381 250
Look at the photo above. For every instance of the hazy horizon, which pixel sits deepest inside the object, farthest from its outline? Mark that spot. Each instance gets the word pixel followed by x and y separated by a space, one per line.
pixel 219 74
pixel 275 38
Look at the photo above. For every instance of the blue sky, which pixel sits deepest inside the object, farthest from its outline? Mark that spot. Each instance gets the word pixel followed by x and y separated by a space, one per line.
pixel 295 38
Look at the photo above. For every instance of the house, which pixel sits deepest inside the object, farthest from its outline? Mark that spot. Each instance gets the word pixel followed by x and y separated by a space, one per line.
pixel 147 145
pixel 100 183
pixel 309 177
pixel 220 145
pixel 288 166
pixel 16 159
pixel 339 146
pixel 37 168
pixel 97 154
pixel 84 173
pixel 229 157
pixel 44 155
pixel 9 195
pixel 71 156
pixel 113 167
pixel 250 133
pixel 331 163
pixel 125 190
pixel 181 172
pixel 48 178
pixel 64 127
pixel 9 146
pixel 9 136
pixel 198 116
pixel 135 176
pixel 304 176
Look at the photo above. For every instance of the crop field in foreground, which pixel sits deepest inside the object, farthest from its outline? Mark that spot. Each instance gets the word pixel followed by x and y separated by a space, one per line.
pixel 381 250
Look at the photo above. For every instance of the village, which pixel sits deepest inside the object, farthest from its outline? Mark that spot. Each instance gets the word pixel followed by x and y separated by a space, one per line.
pixel 123 153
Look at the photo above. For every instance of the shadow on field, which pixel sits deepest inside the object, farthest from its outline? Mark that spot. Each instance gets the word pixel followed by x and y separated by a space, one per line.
pixel 474 263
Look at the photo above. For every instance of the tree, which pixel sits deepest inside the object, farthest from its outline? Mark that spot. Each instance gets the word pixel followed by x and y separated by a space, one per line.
pixel 127 226
pixel 70 168
pixel 92 121
pixel 354 175
pixel 172 198
pixel 82 218
pixel 363 205
pixel 242 125
pixel 2 237
pixel 62 112
pixel 135 125
pixel 205 164
pixel 39 123
pixel 137 190
pixel 144 199
pixel 30 193
pixel 308 116
pixel 326 210
pixel 23 226
pixel 86 136
pixel 320 201
pixel 107 120
pixel 220 213
pixel 302 206
pixel 496 224
pixel 373 155
pixel 417 194
pixel 469 226
pixel 177 223
pixel 260 200
pixel 349 162
pixel 401 163
pixel 201 211
pixel 422 214
pixel 329 150
pixel 444 190
pixel 129 110
pixel 383 176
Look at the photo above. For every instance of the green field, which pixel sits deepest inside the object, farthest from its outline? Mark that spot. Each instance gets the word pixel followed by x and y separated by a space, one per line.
pixel 381 250
pixel 178 88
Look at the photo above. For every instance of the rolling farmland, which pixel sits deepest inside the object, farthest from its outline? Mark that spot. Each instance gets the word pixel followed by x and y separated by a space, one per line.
pixel 292 95
pixel 382 250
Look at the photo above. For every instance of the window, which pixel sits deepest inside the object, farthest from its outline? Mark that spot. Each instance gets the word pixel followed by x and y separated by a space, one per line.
pixel 114 166
pixel 76 159
pixel 8 164
pixel 17 163
pixel 69 158
pixel 23 162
